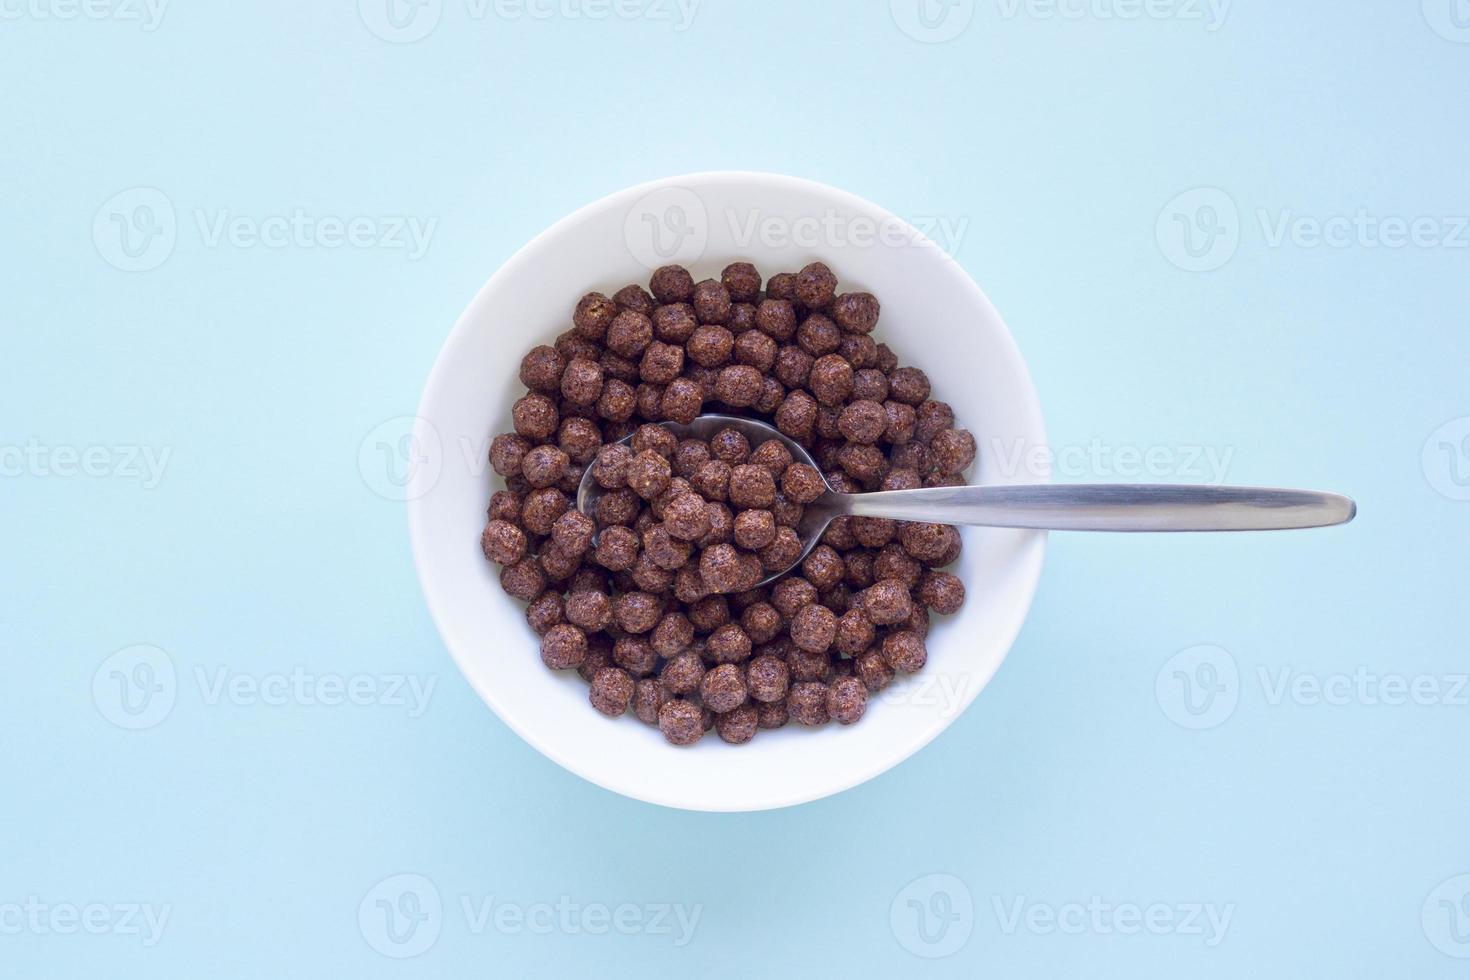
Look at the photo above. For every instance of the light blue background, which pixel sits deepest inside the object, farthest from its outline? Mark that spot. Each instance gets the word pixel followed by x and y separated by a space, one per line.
pixel 1057 142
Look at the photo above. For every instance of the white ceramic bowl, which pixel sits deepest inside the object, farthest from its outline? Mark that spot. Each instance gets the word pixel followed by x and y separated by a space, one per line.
pixel 933 316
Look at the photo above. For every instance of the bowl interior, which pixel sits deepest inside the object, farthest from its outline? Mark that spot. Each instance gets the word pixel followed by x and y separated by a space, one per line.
pixel 934 317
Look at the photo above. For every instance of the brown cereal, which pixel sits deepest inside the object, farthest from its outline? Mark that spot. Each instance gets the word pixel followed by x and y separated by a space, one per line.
pixel 728 644
pixel 952 451
pixel 682 401
pixel 830 380
pixel 773 455
pixel 752 486
pixel 730 445
pixel 776 318
pixel 648 697
pixel 541 369
pixel 649 474
pixel 904 651
pixel 572 532
pixel 863 422
pixel 637 612
pixel 793 366
pixel 535 417
pixel 847 699
pixel 665 550
pixel 856 312
pixel 908 385
pixel 563 647
pixel 681 722
pixel 802 483
pixel 720 568
pixel 542 508
pixel 807 703
pixel 819 336
pixel 579 438
pixel 503 542
pixel 723 688
pixel 767 678
pixel 742 281
pixel 581 382
pixel 544 466
pixel 773 715
pixel 855 633
pixel 755 349
pixel 887 602
pixel 754 529
pixel 589 609
pixel 545 611
pixel 813 628
pixel 712 479
pixel 661 363
pixel 675 323
pixel 738 725
pixel 816 286
pixel 634 297
pixel 739 385
pixel 611 691
pixel 635 655
pixel 782 552
pixel 617 548
pixel 711 346
pixel 672 284
pixel 942 592
pixel 761 622
pixel 711 302
pixel 611 467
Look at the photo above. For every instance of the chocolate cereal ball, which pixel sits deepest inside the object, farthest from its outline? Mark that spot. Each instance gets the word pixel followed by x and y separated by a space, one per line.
pixel 856 312
pixel 589 609
pixel 637 612
pixel 739 385
pixel 855 633
pixel 723 688
pixel 648 697
pixel 665 550
pixel 544 466
pixel 505 505
pixel 813 628
pixel 924 542
pixel 847 699
pixel 581 382
pixel 580 439
pixel 617 402
pixel 629 334
pixel 773 455
pixel 742 281
pixel 503 542
pixel 634 297
pixel 682 673
pixel 776 318
pixel 682 402
pixel 535 417
pixel 830 380
pixel 661 363
pixel 816 286
pixel 541 369
pixel 773 715
pixel 754 529
pixel 563 647
pixel 612 691
pixel 649 474
pixel 545 611
pixel 802 483
pixel 904 651
pixel 756 350
pixel 942 592
pixel 672 284
pixel 593 314
pixel 952 451
pixel 767 678
pixel 752 486
pixel 887 602
pixel 635 655
pixel 797 415
pixel 617 547
pixel 711 302
pixel 738 725
pixel 873 670
pixel 761 622
pixel 711 346
pixel 720 567
pixel 908 385
pixel 728 644
pixel 542 508
pixel 572 532
pixel 933 418
pixel 782 286
pixel 862 422
pixel 610 469
pixel 823 568
pixel 807 703
pixel 712 480
pixel 675 323
pixel 681 722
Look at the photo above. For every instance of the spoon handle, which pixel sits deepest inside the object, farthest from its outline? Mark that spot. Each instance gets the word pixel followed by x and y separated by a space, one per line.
pixel 1108 507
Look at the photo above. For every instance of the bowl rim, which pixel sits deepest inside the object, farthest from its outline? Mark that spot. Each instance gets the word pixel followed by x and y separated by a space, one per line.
pixel 1029 574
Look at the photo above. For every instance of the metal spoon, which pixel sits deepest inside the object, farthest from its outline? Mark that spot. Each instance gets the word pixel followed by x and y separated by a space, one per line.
pixel 1055 507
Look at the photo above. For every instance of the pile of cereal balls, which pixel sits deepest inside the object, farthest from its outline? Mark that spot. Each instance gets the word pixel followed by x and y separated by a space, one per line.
pixel 653 598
